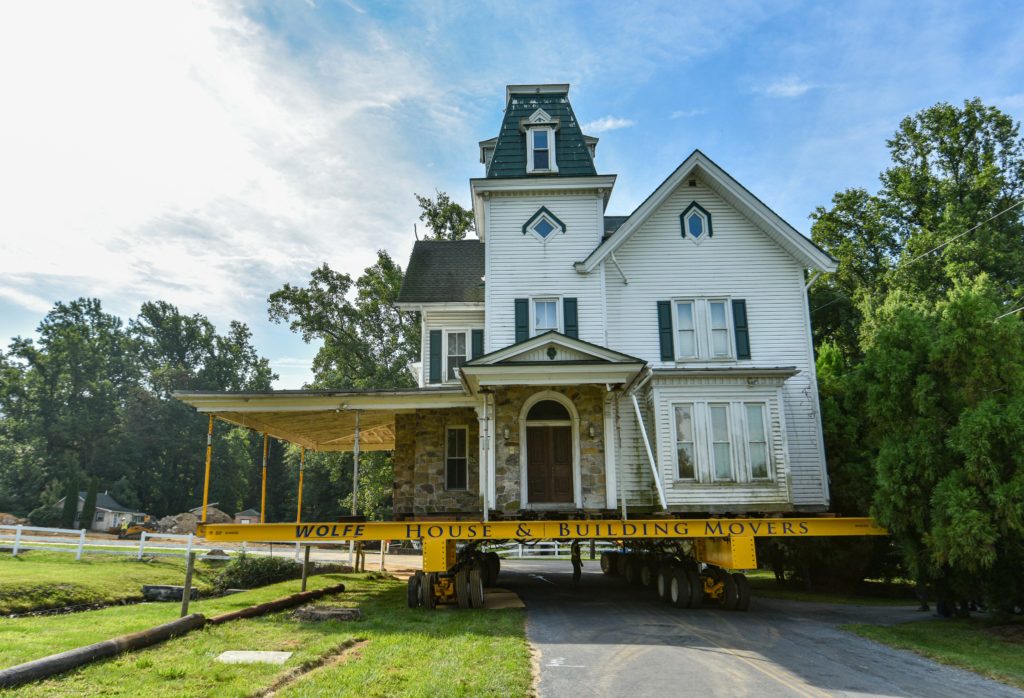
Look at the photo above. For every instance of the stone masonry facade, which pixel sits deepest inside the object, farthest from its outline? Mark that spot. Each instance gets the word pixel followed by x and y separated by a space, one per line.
pixel 419 460
pixel 589 402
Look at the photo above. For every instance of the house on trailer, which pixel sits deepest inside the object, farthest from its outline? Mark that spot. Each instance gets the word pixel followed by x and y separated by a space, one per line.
pixel 580 364
pixel 109 516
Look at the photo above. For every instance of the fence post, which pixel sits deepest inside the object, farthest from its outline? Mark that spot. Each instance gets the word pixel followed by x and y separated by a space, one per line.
pixel 142 543
pixel 81 544
pixel 298 552
pixel 186 592
pixel 520 550
pixel 305 567
pixel 17 539
pixel 556 548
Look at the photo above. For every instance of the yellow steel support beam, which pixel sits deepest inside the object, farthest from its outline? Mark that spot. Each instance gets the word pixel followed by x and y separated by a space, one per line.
pixel 302 467
pixel 209 459
pixel 438 555
pixel 263 491
pixel 734 553
pixel 544 530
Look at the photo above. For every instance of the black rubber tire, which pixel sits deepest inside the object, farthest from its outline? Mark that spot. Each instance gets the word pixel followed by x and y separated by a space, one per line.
pixel 620 564
pixel 462 587
pixel 479 563
pixel 476 589
pixel 696 586
pixel 730 594
pixel 494 565
pixel 631 569
pixel 648 574
pixel 679 589
pixel 427 599
pixel 608 563
pixel 664 582
pixel 742 591
pixel 413 590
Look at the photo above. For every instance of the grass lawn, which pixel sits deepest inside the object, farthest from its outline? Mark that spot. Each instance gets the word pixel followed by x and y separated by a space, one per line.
pixel 39 580
pixel 964 642
pixel 394 650
pixel 763 584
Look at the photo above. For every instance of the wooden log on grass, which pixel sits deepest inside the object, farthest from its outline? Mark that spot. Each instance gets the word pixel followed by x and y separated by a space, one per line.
pixel 276 605
pixel 57 663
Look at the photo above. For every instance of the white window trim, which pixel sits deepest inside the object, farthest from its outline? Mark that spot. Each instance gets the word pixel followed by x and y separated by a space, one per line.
pixel 560 321
pixel 556 228
pixel 552 160
pixel 704 465
pixel 702 327
pixel 704 221
pixel 730 416
pixel 453 427
pixel 444 350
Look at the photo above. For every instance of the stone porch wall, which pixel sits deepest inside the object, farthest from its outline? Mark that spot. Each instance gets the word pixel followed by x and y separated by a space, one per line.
pixel 419 459
pixel 589 402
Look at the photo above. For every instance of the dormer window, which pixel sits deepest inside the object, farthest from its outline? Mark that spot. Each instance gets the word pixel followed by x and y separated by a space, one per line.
pixel 540 149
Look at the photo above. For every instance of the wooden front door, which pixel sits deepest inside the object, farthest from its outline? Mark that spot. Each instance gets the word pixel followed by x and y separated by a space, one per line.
pixel 549 464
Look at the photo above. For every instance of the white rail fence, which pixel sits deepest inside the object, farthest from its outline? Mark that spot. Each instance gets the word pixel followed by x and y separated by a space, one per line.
pixel 549 548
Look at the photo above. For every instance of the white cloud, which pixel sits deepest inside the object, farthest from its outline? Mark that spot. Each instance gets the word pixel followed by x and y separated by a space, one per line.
pixel 607 123
pixel 785 87
pixel 179 151
pixel 687 113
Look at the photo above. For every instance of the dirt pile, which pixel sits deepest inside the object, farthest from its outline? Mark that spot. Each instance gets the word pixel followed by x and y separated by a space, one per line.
pixel 11 520
pixel 186 522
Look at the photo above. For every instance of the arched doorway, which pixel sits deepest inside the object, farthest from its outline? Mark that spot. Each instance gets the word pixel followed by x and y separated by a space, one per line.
pixel 550 460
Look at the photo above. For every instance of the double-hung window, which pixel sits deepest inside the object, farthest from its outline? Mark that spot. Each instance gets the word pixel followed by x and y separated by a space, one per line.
pixel 456 472
pixel 686 331
pixel 721 442
pixel 686 451
pixel 540 149
pixel 545 315
pixel 703 329
pixel 456 354
pixel 757 441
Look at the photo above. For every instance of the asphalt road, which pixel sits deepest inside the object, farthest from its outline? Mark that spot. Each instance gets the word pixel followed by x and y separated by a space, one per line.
pixel 608 639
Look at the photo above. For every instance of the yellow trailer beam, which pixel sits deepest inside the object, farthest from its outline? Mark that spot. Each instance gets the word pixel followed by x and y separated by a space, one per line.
pixel 542 530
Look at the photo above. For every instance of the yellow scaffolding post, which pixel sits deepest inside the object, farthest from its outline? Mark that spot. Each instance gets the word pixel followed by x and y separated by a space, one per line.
pixel 302 467
pixel 263 496
pixel 209 457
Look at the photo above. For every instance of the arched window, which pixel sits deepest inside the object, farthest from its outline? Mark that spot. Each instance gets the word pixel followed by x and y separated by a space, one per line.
pixel 548 411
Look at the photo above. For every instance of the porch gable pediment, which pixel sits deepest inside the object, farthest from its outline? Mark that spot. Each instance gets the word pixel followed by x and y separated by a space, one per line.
pixel 553 347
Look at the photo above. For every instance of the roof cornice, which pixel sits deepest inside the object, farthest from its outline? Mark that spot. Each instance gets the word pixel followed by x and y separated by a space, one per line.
pixel 553 88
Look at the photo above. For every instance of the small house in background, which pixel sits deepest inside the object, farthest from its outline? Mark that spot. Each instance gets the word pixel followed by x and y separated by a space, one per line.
pixel 249 516
pixel 109 516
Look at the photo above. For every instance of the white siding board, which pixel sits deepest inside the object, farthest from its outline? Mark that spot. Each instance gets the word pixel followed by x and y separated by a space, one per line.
pixel 739 261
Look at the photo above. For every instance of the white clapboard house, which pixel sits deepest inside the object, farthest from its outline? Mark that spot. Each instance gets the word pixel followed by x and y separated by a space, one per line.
pixel 576 363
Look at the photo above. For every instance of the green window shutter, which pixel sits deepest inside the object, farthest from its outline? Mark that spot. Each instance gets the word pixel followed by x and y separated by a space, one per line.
pixel 668 351
pixel 435 356
pixel 740 329
pixel 522 319
pixel 569 315
pixel 478 343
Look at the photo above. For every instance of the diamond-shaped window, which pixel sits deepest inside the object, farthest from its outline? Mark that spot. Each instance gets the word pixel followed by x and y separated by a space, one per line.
pixel 543 227
pixel 543 224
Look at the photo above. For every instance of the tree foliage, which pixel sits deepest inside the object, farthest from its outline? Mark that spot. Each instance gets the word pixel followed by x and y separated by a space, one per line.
pixel 920 383
pixel 446 219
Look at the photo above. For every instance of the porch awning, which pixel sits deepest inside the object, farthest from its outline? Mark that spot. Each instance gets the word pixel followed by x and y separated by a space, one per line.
pixel 323 420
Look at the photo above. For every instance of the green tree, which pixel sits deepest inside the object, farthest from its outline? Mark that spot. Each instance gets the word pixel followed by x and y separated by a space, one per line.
pixel 70 508
pixel 945 411
pixel 446 219
pixel 89 505
pixel 366 343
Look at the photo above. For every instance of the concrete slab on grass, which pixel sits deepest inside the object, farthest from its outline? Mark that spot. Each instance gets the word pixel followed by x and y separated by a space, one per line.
pixel 253 657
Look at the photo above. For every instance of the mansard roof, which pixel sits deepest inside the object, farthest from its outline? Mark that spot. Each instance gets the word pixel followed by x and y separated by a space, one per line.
pixel 444 271
pixel 571 152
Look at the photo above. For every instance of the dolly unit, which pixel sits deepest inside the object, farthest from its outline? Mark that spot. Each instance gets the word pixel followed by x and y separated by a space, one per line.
pixel 687 560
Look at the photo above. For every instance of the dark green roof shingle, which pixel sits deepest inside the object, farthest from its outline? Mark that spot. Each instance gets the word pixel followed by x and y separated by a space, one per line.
pixel 571 153
pixel 444 271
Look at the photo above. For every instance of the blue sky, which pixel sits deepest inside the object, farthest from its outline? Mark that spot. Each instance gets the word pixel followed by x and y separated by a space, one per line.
pixel 207 153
